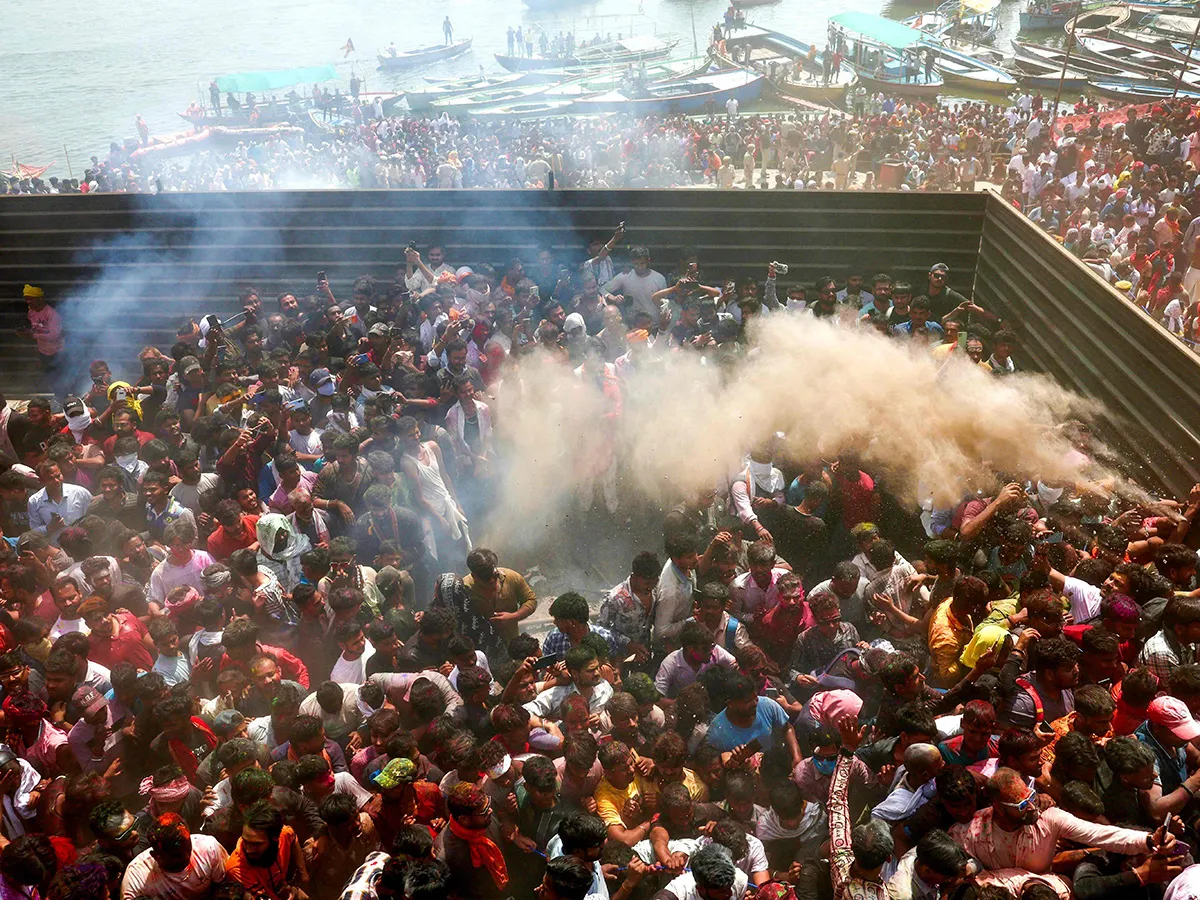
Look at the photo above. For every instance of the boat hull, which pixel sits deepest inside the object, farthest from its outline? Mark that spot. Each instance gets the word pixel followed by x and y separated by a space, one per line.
pixel 904 88
pixel 404 61
pixel 747 91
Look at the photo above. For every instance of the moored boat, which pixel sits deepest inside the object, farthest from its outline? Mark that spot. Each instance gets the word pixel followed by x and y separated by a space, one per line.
pixel 410 59
pixel 1044 15
pixel 969 21
pixel 535 109
pixel 685 95
pixel 480 99
pixel 793 68
pixel 887 55
pixel 630 49
pixel 1080 60
pixel 1033 73
pixel 421 98
pixel 959 68
pixel 1113 50
pixel 1143 92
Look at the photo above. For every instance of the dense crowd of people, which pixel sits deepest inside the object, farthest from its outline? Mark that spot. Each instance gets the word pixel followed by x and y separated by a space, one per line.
pixel 251 650
pixel 1119 191
pixel 936 147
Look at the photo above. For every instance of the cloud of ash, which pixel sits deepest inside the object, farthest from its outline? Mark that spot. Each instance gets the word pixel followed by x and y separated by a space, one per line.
pixel 928 429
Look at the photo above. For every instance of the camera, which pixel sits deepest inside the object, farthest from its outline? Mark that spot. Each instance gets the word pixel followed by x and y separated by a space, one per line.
pixel 780 268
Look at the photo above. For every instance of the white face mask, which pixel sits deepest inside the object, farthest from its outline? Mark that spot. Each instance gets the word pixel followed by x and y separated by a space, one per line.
pixel 326 389
pixel 128 461
pixel 760 469
pixel 79 424
pixel 1048 495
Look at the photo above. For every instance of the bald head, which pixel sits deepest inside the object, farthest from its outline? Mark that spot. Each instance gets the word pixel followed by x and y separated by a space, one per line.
pixel 923 762
pixel 1007 786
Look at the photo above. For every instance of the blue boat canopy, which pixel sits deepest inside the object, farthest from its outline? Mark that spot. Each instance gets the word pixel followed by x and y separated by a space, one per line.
pixel 276 79
pixel 879 29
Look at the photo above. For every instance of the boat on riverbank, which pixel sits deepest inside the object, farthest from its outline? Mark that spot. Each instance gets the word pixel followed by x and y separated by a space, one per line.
pixel 624 50
pixel 411 59
pixel 698 94
pixel 421 98
pixel 1034 73
pixel 954 21
pixel 1144 92
pixel 960 68
pixel 887 55
pixel 782 59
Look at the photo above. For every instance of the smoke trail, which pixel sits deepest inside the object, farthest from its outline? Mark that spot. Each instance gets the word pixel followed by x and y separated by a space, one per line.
pixel 153 278
pixel 686 423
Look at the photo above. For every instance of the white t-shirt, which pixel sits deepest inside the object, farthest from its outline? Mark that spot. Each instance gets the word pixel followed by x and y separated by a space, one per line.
pixel 755 859
pixel 684 887
pixel 167 576
pixel 305 443
pixel 144 877
pixel 352 671
pixel 1085 599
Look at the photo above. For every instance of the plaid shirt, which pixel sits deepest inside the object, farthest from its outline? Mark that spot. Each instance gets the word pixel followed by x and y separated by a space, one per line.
pixel 558 642
pixel 1163 654
pixel 361 885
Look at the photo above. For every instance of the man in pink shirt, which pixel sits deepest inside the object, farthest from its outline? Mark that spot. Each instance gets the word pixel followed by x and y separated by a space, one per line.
pixel 45 326
pixel 1015 833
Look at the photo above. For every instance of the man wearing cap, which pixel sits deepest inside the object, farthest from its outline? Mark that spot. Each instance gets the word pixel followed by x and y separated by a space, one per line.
pixel 45 329
pixel 1168 730
pixel 942 297
pixel 325 386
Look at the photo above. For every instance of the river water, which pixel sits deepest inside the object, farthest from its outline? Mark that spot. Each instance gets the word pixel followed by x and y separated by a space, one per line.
pixel 74 74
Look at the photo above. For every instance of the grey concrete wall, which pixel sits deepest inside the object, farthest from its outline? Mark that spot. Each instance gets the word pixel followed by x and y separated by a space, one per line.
pixel 1077 329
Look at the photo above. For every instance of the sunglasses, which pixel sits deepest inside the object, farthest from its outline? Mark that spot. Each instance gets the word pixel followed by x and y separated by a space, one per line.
pixel 1024 804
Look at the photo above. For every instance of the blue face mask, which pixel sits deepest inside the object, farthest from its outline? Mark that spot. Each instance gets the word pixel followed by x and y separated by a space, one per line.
pixel 824 766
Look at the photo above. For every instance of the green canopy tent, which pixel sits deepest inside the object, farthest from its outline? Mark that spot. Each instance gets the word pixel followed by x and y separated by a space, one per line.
pixel 276 80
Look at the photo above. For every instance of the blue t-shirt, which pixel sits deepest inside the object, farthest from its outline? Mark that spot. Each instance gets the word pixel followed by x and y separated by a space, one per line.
pixel 724 735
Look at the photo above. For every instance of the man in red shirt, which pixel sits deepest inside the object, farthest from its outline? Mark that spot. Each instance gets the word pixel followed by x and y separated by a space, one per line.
pixel 236 531
pixel 116 636
pixel 124 422
pixel 241 645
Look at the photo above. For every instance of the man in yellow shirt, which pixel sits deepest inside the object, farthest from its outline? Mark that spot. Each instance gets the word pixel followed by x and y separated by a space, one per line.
pixel 619 796
pixel 950 630
pixel 498 593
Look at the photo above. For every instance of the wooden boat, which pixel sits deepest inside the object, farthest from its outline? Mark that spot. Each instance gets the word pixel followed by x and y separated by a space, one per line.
pixel 685 95
pixel 1143 92
pixel 971 21
pixel 656 70
pixel 957 67
pixel 533 109
pixel 1094 20
pixel 1120 53
pixel 630 49
pixel 887 55
pixel 410 59
pixel 1082 61
pixel 776 55
pixel 1040 75
pixel 1176 49
pixel 420 99
pixel 1044 15
pixel 481 99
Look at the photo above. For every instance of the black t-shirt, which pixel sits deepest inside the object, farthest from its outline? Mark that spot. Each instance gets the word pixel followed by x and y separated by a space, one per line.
pixel 942 303
pixel 26 437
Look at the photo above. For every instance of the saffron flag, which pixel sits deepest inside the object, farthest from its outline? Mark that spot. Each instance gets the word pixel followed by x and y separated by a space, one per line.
pixel 349 47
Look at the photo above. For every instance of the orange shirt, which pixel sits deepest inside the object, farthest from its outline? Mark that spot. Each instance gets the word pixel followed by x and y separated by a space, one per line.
pixel 270 880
